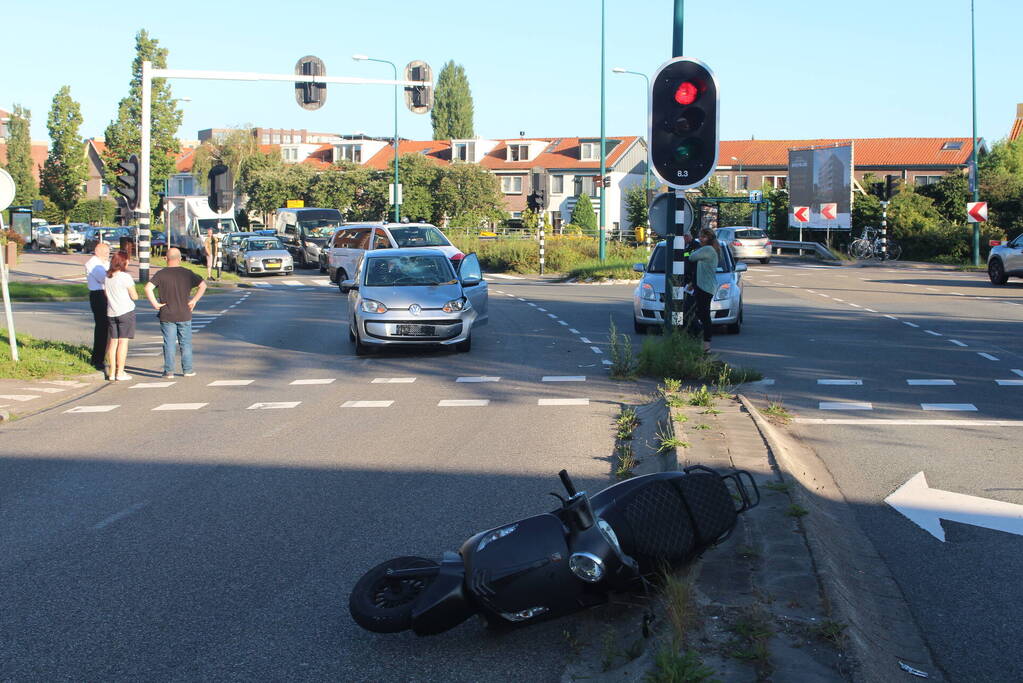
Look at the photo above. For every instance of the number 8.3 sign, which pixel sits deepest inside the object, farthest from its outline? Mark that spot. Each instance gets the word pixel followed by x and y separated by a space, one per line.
pixel 683 126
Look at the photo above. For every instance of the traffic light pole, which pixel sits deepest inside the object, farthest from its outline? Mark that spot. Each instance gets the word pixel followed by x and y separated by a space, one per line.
pixel 144 210
pixel 884 230
pixel 602 248
pixel 973 141
pixel 539 220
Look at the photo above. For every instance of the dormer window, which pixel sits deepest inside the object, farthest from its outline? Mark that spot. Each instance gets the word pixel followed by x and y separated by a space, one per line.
pixel 589 151
pixel 518 152
pixel 351 153
pixel 463 151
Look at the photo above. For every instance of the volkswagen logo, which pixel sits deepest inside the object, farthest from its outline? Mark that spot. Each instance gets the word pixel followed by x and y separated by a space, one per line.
pixel 414 309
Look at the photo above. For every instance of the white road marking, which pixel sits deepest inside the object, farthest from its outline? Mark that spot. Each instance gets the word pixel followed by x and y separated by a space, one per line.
pixel 230 383
pixel 463 403
pixel 271 405
pixel 986 355
pixel 367 404
pixel 130 510
pixel 314 381
pixel 500 276
pixel 890 316
pixel 66 383
pixel 45 390
pixel 838 405
pixel 837 299
pixel 499 291
pixel 562 322
pixel 563 402
pixel 607 362
pixel 18 397
pixel 585 340
pixel 856 305
pixel 1018 372
pixel 957 342
pixel 1010 382
pixel 930 382
pixel 842 382
pixel 291 283
pixel 92 409
pixel 932 289
pixel 393 380
pixel 151 385
pixel 180 406
pixel 520 299
pixel 530 303
pixel 948 406
pixel 573 330
pixel 542 310
pixel 958 294
pixel 478 379
pixel 551 315
pixel 764 382
pixel 906 322
pixel 908 422
pixel 870 309
pixel 563 378
pixel 936 334
pixel 595 349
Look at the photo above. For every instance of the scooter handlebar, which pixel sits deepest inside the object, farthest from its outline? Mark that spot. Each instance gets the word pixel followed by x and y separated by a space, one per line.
pixel 567 482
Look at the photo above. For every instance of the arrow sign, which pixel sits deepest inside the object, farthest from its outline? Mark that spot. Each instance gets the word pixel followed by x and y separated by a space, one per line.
pixel 926 507
pixel 829 211
pixel 976 212
pixel 801 213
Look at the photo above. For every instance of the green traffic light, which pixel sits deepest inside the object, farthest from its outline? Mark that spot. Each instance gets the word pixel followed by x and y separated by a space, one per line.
pixel 687 149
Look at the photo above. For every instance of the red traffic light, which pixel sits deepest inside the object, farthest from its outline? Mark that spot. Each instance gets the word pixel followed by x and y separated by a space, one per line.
pixel 686 93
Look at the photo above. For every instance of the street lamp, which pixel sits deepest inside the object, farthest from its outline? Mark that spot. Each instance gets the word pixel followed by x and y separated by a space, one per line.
pixel 736 159
pixel 364 58
pixel 620 70
pixel 603 138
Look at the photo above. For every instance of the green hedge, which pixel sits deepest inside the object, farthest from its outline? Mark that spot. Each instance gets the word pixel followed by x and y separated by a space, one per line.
pixel 563 254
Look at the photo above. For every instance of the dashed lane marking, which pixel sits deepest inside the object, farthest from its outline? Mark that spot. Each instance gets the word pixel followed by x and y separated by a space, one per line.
pixel 45 390
pixel 573 330
pixel 957 342
pixel 562 322
pixel 17 397
pixel 367 404
pixel 585 340
pixel 552 316
pixel 463 403
pixel 595 349
pixel 890 316
pixel 563 402
pixel 870 309
pixel 764 382
pixel 273 405
pixel 92 409
pixel 478 379
pixel 542 310
pixel 151 385
pixel 607 362
pixel 563 378
pixel 986 355
pixel 291 283
pixel 907 422
pixel 906 322
pixel 842 382
pixel 231 383
pixel 180 406
pixel 949 406
pixel 936 334
pixel 839 405
pixel 1018 372
pixel 117 516
pixel 393 380
pixel 1009 382
pixel 530 303
pixel 313 381
pixel 930 382
pixel 855 305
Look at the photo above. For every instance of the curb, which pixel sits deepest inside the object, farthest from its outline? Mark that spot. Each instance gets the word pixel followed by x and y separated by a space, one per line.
pixel 884 639
pixel 7 416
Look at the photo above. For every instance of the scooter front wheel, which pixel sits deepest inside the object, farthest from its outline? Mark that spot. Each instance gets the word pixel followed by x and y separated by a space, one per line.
pixel 384 605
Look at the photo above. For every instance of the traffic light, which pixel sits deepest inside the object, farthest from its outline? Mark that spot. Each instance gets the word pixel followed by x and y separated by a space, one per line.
pixel 221 186
pixel 684 122
pixel 128 182
pixel 308 94
pixel 892 186
pixel 124 212
pixel 419 98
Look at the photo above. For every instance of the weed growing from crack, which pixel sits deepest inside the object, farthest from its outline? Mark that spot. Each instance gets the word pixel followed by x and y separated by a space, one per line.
pixel 672 666
pixel 796 511
pixel 680 603
pixel 701 397
pixel 779 486
pixel 623 360
pixel 702 425
pixel 666 440
pixel 752 630
pixel 711 411
pixel 833 632
pixel 626 461
pixel 626 423
pixel 680 417
pixel 776 409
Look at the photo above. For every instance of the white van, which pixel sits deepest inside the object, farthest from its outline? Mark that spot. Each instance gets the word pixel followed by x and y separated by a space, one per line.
pixel 350 243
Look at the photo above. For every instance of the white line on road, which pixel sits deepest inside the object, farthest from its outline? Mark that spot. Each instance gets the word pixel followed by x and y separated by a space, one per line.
pixel 607 362
pixel 948 406
pixel 530 303
pixel 18 397
pixel 393 380
pixel 842 382
pixel 870 309
pixel 92 409
pixel 855 305
pixel 291 283
pixel 272 405
pixel 130 510
pixel 562 322
pixel 45 390
pixel 563 378
pixel 180 406
pixel 314 381
pixel 890 316
pixel 499 291
pixel 986 355
pixel 542 310
pixel 936 334
pixel 595 349
pixel 463 403
pixel 838 405
pixel 837 299
pixel 1010 382
pixel 931 382
pixel 1018 372
pixel 520 299
pixel 763 382
pixel 585 340
pixel 908 422
pixel 151 385
pixel 230 383
pixel 478 379
pixel 563 402
pixel 906 322
pixel 551 315
pixel 367 404
pixel 957 342
pixel 573 330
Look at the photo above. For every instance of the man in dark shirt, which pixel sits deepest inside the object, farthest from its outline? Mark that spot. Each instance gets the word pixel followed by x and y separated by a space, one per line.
pixel 175 307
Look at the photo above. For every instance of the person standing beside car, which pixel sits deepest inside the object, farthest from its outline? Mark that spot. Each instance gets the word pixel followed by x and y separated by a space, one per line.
pixel 121 296
pixel 95 278
pixel 174 309
pixel 706 259
pixel 210 247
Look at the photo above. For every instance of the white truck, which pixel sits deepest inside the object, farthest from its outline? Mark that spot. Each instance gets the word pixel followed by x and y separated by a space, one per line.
pixel 187 218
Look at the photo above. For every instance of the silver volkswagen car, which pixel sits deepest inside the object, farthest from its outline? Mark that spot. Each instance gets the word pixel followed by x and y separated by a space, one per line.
pixel 415 296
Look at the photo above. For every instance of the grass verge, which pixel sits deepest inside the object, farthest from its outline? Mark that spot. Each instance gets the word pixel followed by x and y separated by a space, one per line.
pixel 42 358
pixel 594 269
pixel 161 262
pixel 45 291
pixel 681 356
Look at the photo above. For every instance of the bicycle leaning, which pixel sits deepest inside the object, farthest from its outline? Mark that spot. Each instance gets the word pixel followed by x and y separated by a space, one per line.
pixel 869 246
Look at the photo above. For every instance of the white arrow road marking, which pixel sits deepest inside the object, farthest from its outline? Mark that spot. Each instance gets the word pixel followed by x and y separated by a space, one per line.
pixel 926 507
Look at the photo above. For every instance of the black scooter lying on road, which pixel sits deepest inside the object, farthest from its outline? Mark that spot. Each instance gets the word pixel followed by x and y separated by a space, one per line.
pixel 560 562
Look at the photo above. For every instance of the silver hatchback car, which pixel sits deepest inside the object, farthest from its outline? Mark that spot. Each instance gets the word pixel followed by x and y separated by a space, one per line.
pixel 415 296
pixel 746 242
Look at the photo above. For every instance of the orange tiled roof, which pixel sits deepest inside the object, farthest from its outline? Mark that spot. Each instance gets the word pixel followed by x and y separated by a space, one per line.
pixel 99 145
pixel 866 151
pixel 39 154
pixel 560 153
pixel 1017 127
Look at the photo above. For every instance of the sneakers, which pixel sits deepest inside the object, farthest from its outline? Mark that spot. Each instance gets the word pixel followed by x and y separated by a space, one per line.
pixel 168 375
pixel 190 374
pixel 123 377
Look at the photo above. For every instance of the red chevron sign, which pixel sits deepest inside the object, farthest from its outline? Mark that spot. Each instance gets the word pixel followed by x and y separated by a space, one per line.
pixel 829 211
pixel 976 212
pixel 801 213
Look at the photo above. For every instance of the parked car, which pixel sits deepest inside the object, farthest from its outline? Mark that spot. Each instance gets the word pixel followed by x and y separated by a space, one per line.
pixel 1005 261
pixel 230 242
pixel 305 232
pixel 262 254
pixel 415 296
pixel 746 242
pixel 111 236
pixel 725 307
pixel 349 245
pixel 52 237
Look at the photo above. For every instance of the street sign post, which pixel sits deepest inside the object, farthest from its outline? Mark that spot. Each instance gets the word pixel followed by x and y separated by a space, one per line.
pixel 802 215
pixel 7 192
pixel 756 196
pixel 976 212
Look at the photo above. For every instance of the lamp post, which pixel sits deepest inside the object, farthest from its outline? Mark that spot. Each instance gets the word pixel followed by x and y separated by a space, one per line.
pixel 603 138
pixel 620 70
pixel 973 141
pixel 736 159
pixel 364 58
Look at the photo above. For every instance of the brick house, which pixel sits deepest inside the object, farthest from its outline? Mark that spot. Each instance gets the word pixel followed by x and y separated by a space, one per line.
pixel 39 150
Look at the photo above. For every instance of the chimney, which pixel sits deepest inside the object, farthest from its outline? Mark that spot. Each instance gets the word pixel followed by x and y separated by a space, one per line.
pixel 1019 110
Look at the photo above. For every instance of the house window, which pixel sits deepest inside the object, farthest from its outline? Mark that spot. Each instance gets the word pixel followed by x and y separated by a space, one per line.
pixel 518 152
pixel 778 182
pixel 511 184
pixel 104 189
pixel 926 179
pixel 266 138
pixel 289 153
pixel 589 151
pixel 349 153
pixel 557 184
pixel 953 144
pixel 726 182
pixel 287 139
pixel 741 182
pixel 277 138
pixel 463 151
pixel 584 185
pixel 516 214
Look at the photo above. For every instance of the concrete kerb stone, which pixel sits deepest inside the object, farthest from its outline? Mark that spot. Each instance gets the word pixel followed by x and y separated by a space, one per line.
pixel 882 634
pixel 94 381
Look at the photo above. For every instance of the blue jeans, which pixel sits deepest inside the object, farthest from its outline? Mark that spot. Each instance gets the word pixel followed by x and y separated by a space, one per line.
pixel 175 334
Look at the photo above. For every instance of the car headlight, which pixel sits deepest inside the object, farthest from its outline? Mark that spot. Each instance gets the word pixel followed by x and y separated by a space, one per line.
pixel 525 614
pixel 587 567
pixel 609 534
pixel 495 535
pixel 371 306
pixel 723 292
pixel 647 292
pixel 461 304
pixel 254 260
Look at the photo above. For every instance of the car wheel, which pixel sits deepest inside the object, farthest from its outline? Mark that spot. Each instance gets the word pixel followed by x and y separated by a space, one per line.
pixel 351 335
pixel 323 268
pixel 996 271
pixel 341 277
pixel 33 245
pixel 360 348
pixel 385 605
pixel 736 327
pixel 464 346
pixel 638 327
pixel 765 261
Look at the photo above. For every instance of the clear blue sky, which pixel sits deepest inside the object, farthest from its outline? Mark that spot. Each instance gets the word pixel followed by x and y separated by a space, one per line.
pixel 789 69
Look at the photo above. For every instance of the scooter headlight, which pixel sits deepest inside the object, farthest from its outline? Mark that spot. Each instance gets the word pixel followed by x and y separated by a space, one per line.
pixel 495 535
pixel 609 534
pixel 587 567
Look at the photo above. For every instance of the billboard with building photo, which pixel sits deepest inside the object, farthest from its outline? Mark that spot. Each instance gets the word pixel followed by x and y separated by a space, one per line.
pixel 821 178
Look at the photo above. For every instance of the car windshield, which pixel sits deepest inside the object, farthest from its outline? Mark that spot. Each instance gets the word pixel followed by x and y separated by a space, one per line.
pixel 400 271
pixel 419 236
pixel 320 228
pixel 656 263
pixel 218 225
pixel 262 244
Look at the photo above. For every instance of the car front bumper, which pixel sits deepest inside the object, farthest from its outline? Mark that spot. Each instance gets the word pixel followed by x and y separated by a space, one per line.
pixel 724 312
pixel 383 329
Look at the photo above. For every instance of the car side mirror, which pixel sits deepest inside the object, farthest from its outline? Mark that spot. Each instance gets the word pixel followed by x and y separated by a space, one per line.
pixel 741 267
pixel 348 285
pixel 639 267
pixel 470 282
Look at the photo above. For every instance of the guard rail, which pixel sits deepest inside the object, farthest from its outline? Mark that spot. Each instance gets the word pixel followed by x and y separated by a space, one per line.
pixel 815 247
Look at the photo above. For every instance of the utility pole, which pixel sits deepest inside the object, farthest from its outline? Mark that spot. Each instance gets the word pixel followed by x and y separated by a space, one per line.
pixel 976 171
pixel 602 249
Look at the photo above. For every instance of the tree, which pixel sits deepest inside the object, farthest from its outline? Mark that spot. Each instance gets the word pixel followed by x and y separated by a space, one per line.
pixel 419 178
pixel 64 172
pixel 468 195
pixel 124 136
pixel 584 216
pixel 1001 184
pixel 19 156
pixel 102 211
pixel 232 150
pixel 949 195
pixel 452 104
pixel 636 209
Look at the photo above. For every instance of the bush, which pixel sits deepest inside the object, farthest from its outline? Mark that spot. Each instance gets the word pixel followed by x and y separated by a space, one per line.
pixel 9 235
pixel 564 253
pixel 681 356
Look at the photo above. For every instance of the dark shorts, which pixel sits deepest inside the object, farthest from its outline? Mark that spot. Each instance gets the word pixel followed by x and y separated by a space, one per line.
pixel 123 326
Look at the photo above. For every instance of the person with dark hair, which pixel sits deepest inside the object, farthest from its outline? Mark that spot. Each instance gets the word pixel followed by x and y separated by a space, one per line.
pixel 706 259
pixel 121 296
pixel 95 277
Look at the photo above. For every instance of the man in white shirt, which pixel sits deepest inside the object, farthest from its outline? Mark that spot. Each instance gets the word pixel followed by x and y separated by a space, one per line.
pixel 95 277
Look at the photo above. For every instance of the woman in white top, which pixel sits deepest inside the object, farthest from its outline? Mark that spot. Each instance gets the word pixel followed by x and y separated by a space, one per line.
pixel 121 297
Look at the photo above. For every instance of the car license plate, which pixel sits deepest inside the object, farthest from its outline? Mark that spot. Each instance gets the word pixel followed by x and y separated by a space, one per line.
pixel 415 330
pixel 271 266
